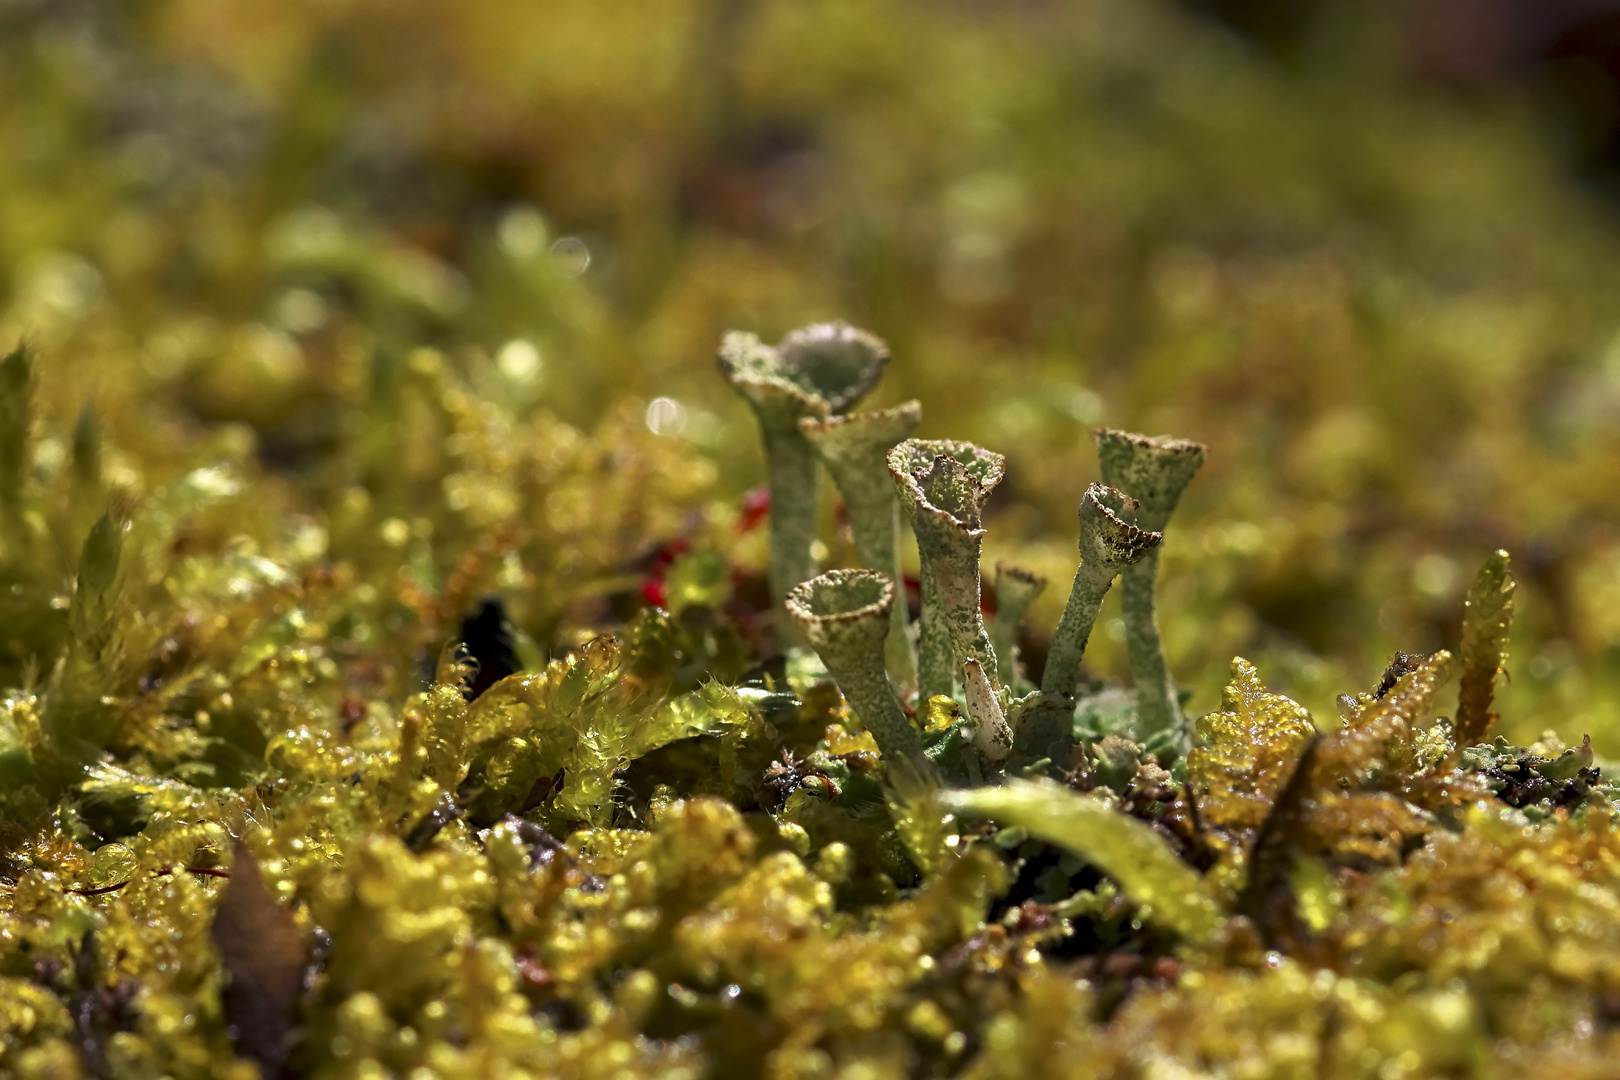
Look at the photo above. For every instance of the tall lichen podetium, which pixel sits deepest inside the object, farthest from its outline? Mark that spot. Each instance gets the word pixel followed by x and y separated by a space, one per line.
pixel 1487 621
pixel 855 450
pixel 1109 543
pixel 816 371
pixel 844 614
pixel 943 486
pixel 1154 472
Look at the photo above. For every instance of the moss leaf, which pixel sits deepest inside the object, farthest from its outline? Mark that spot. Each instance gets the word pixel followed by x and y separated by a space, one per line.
pixel 1487 619
pixel 1128 851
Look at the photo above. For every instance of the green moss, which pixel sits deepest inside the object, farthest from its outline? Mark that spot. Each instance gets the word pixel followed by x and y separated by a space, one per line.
pixel 270 799
pixel 240 829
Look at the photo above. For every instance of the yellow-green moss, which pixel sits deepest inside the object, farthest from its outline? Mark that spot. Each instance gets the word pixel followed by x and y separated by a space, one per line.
pixel 282 421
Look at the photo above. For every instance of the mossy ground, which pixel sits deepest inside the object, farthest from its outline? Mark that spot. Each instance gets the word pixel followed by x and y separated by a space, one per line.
pixel 311 377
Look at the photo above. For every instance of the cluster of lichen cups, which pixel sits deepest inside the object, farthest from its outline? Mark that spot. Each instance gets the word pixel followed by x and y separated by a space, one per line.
pixel 802 391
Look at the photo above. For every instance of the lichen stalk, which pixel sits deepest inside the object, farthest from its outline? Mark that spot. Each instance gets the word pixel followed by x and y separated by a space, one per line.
pixel 844 614
pixel 1109 543
pixel 855 449
pixel 943 487
pixel 936 658
pixel 1044 724
pixel 815 372
pixel 1153 471
pixel 792 479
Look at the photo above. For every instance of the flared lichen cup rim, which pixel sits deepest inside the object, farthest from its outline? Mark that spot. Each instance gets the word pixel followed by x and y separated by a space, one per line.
pixel 1022 576
pixel 1167 447
pixel 925 469
pixel 751 367
pixel 852 434
pixel 985 466
pixel 1107 540
pixel 842 597
pixel 818 370
pixel 841 362
pixel 1153 469
pixel 1115 501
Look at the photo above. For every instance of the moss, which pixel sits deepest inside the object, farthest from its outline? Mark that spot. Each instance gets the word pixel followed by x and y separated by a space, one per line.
pixel 389 687
pixel 248 828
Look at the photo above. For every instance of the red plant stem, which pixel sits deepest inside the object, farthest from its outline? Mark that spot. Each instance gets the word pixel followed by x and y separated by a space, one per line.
pixel 207 871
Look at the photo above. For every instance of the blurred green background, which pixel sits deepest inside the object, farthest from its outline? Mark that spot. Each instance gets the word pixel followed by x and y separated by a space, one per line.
pixel 1369 253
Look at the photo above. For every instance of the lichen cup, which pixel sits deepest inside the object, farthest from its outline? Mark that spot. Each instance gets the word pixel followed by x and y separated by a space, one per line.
pixel 816 371
pixel 943 486
pixel 1154 472
pixel 844 615
pixel 855 449
pixel 1109 543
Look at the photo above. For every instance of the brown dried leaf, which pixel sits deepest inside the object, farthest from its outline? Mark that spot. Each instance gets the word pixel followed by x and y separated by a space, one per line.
pixel 262 950
pixel 1268 896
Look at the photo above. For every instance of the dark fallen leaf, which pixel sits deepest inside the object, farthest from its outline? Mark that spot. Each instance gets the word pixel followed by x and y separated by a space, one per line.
pixel 98 1011
pixel 1268 897
pixel 423 832
pixel 262 950
pixel 487 636
pixel 1400 664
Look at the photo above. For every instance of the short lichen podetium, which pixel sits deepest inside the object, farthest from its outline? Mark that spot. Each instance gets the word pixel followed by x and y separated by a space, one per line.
pixel 816 371
pixel 943 486
pixel 855 450
pixel 1154 472
pixel 1016 589
pixel 1109 544
pixel 844 614
pixel 992 735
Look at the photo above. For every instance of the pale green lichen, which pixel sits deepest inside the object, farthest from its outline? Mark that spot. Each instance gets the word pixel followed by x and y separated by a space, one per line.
pixel 1109 542
pixel 198 234
pixel 943 486
pixel 618 859
pixel 845 616
pixel 855 448
pixel 1154 472
pixel 413 879
pixel 815 372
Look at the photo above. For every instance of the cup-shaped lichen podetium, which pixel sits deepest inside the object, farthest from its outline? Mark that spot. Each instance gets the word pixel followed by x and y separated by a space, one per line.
pixel 1154 472
pixel 817 371
pixel 943 486
pixel 855 450
pixel 845 616
pixel 1109 542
